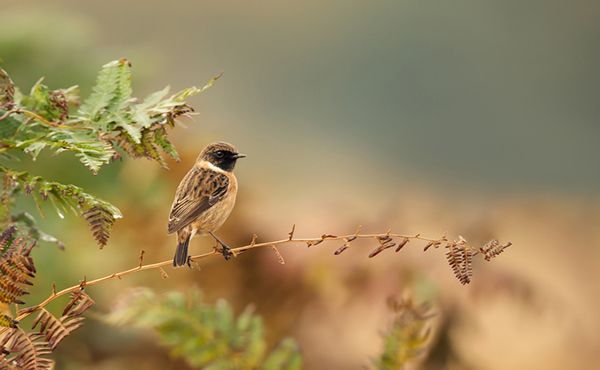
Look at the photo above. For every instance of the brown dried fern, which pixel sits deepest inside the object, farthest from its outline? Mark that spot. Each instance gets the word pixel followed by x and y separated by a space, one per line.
pixel 493 248
pixel 5 237
pixel 16 266
pixel 100 221
pixel 460 259
pixel 28 351
pixel 461 255
pixel 58 329
pixel 29 348
pixel 7 91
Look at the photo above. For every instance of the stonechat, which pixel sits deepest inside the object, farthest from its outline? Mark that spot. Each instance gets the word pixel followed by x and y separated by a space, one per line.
pixel 204 198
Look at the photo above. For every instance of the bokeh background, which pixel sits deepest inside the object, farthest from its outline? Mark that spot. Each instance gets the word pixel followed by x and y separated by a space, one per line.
pixel 475 118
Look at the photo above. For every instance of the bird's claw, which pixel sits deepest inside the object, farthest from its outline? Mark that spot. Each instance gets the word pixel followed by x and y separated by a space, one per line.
pixel 226 252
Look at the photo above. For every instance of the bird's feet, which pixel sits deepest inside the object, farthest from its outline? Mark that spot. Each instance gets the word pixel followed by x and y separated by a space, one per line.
pixel 224 248
pixel 226 252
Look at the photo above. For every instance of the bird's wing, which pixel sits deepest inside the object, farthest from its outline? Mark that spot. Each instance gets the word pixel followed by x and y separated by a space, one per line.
pixel 199 190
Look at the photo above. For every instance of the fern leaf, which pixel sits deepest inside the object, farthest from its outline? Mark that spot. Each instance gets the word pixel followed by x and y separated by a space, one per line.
pixel 129 126
pixel 57 329
pixel 151 148
pixel 51 106
pixel 125 141
pixel 460 259
pixel 209 337
pixel 162 140
pixel 286 356
pixel 6 237
pixel 147 147
pixel 123 83
pixel 141 116
pixel 408 336
pixel 7 321
pixel 103 92
pixel 29 350
pixel 9 290
pixel 7 90
pixel 153 99
pixel 9 127
pixel 15 267
pixel 93 154
pixel 32 146
pixel 100 222
pixel 194 90
pixel 493 248
pixel 79 303
pixel 63 198
pixel 17 257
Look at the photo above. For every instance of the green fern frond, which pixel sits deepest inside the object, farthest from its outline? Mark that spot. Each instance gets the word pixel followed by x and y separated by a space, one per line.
pixel 53 106
pixel 125 122
pixel 208 337
pixel 99 213
pixel 162 140
pixel 408 336
pixel 286 355
pixel 104 91
pixel 154 98
pixel 33 147
pixel 9 127
pixel 92 154
pixel 109 117
pixel 124 91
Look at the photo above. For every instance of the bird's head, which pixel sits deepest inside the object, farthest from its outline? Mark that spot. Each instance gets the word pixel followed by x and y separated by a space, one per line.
pixel 221 154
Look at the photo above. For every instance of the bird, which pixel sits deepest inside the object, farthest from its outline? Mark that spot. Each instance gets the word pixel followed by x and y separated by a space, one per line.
pixel 204 199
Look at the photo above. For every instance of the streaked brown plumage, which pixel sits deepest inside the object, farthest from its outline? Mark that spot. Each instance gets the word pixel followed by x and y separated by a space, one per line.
pixel 204 198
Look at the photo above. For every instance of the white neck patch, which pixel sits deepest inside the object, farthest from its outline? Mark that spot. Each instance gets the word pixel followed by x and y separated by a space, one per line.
pixel 213 167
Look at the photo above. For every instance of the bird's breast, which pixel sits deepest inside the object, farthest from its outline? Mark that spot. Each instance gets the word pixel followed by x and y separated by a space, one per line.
pixel 214 217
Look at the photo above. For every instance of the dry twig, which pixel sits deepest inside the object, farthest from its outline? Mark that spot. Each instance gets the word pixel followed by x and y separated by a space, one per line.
pixel 459 256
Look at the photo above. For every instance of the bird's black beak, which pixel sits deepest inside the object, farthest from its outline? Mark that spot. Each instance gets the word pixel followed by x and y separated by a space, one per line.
pixel 238 155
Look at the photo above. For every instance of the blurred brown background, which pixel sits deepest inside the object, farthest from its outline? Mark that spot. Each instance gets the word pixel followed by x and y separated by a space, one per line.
pixel 479 119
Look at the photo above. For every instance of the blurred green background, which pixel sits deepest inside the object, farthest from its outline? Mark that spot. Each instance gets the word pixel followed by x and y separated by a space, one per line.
pixel 476 118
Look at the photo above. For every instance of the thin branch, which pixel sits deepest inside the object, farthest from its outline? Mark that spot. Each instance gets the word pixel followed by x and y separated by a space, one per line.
pixel 142 259
pixel 44 121
pixel 278 255
pixel 6 198
pixel 164 274
pixel 8 113
pixel 488 253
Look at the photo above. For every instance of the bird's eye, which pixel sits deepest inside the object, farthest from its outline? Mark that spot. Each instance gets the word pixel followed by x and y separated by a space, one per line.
pixel 219 154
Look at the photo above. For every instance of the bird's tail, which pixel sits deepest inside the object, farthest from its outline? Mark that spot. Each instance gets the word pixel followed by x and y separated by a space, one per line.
pixel 181 254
